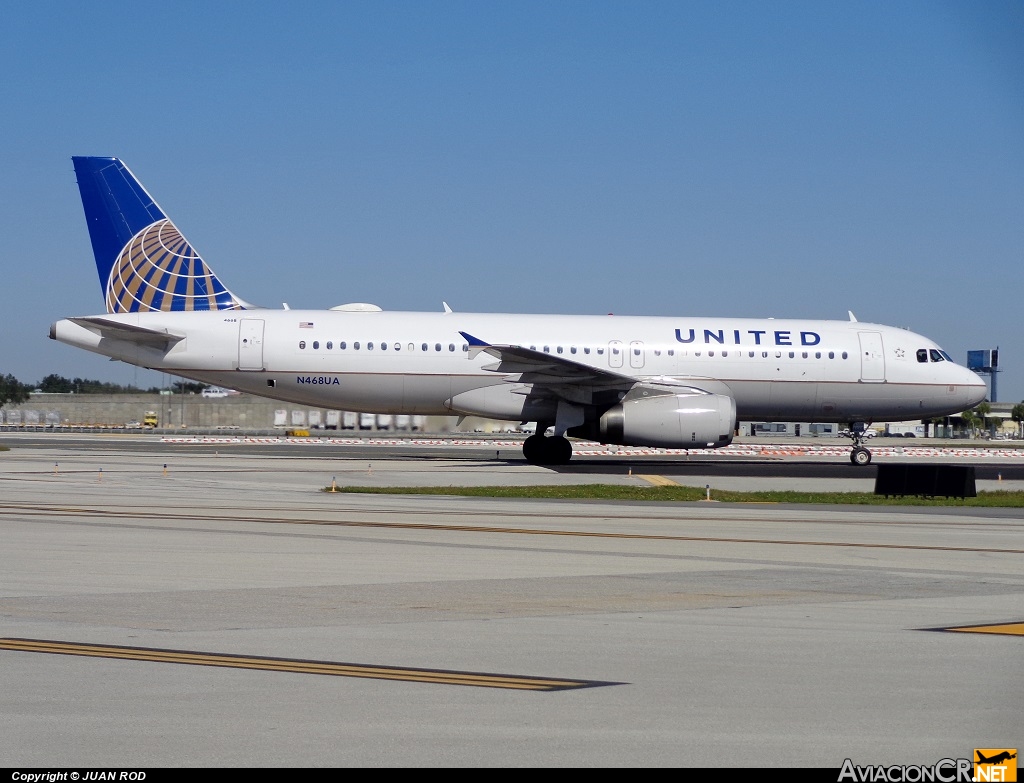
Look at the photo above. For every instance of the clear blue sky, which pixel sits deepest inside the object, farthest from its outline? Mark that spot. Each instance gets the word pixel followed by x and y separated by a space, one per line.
pixel 788 159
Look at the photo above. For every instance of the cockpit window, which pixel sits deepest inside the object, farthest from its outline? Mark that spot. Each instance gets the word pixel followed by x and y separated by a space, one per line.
pixel 946 356
pixel 922 354
pixel 936 356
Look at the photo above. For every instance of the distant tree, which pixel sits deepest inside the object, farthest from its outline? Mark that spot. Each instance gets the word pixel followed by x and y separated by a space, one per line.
pixel 90 386
pixel 56 384
pixel 12 390
pixel 188 387
pixel 971 421
pixel 983 411
pixel 1017 414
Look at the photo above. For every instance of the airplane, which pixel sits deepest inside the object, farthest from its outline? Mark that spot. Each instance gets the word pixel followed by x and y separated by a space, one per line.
pixel 996 759
pixel 668 382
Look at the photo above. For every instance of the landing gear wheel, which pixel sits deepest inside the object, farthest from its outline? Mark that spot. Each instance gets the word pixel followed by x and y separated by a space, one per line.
pixel 533 449
pixel 559 450
pixel 860 456
pixel 539 450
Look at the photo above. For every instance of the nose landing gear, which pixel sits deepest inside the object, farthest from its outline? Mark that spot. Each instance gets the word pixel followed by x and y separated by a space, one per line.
pixel 859 455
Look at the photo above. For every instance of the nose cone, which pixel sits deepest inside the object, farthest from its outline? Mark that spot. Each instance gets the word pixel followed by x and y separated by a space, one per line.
pixel 974 388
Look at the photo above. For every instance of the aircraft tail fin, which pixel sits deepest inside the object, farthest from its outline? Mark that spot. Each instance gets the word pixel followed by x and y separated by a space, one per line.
pixel 144 262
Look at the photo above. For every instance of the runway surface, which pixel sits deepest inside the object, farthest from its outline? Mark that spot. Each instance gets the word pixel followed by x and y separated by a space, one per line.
pixel 225 612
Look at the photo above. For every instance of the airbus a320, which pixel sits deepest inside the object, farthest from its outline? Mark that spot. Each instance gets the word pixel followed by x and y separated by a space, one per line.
pixel 671 382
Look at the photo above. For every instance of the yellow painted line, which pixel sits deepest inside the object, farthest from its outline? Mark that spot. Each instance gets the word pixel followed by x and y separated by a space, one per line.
pixel 437 676
pixel 659 481
pixel 1010 629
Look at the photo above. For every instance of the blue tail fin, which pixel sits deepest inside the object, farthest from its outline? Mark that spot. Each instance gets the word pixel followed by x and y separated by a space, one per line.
pixel 143 261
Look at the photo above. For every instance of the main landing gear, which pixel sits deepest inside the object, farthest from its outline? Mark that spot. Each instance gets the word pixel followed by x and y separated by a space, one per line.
pixel 859 455
pixel 541 450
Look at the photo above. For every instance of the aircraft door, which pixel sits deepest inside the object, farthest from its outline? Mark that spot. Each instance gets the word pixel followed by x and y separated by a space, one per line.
pixel 250 344
pixel 872 357
pixel 615 353
pixel 636 355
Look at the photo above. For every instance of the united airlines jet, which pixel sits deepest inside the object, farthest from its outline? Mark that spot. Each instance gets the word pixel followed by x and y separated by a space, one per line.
pixel 672 382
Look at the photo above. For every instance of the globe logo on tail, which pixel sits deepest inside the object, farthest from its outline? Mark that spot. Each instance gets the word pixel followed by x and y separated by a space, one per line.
pixel 159 270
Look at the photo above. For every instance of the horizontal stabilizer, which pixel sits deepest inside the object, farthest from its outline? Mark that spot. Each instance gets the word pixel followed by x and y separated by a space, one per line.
pixel 115 330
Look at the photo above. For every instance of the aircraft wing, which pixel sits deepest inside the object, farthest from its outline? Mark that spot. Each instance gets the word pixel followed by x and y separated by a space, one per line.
pixel 115 330
pixel 551 375
pixel 545 368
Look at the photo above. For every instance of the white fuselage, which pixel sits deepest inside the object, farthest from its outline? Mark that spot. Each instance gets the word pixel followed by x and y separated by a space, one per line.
pixel 400 362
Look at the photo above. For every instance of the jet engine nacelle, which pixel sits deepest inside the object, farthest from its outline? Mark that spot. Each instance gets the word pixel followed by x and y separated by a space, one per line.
pixel 673 421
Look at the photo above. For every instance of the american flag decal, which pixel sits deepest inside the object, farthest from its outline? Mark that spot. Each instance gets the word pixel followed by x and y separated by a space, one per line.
pixel 305 324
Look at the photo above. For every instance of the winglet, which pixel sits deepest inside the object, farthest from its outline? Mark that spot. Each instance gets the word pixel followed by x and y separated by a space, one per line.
pixel 475 344
pixel 853 318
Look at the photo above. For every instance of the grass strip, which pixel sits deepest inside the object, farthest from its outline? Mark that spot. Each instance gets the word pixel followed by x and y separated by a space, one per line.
pixel 688 494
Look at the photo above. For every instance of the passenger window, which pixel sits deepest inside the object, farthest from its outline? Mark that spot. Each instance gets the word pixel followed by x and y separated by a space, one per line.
pixel 465 347
pixel 817 354
pixel 750 354
pixel 586 350
pixel 573 349
pixel 792 354
pixel 398 346
pixel 657 351
pixel 341 345
pixel 558 349
pixel 316 345
pixel 600 351
pixel 764 354
pixel 369 346
pixel 922 355
pixel 546 349
pixel 846 355
pixel 711 353
pixel 383 346
pixel 805 354
pixel 329 345
pixel 451 347
pixel 355 346
pixel 671 352
pixel 725 354
pixel 437 346
pixel 831 354
pixel 302 345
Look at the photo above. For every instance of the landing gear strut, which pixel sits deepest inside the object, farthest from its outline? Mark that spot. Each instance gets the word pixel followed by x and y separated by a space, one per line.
pixel 859 455
pixel 540 450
